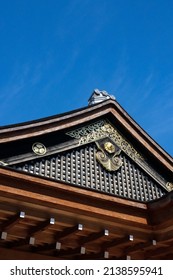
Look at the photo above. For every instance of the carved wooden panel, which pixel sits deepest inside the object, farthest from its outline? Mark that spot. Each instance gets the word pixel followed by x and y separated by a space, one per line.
pixel 80 167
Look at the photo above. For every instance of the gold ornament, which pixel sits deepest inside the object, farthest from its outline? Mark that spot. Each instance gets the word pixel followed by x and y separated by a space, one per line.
pixel 109 147
pixel 107 156
pixel 39 149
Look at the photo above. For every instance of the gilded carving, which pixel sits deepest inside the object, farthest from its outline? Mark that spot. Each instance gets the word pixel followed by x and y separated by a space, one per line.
pixel 100 130
pixel 109 147
pixel 107 156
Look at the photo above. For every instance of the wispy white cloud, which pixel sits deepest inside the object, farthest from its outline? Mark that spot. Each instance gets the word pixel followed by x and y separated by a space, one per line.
pixel 21 79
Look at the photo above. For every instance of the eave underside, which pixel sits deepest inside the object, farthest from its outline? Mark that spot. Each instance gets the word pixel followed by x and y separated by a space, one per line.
pixel 40 219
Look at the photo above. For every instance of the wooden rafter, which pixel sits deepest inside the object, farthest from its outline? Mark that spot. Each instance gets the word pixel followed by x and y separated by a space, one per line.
pixel 71 252
pixel 18 242
pixel 158 252
pixel 30 239
pixel 95 256
pixel 68 231
pixel 41 226
pixel 12 221
pixel 140 246
pixel 118 242
pixel 59 236
pixel 94 236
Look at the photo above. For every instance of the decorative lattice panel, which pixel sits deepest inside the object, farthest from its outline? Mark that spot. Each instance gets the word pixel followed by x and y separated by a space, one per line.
pixel 80 167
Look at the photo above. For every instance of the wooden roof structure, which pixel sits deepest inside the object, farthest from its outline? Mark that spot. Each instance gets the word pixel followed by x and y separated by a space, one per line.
pixel 88 184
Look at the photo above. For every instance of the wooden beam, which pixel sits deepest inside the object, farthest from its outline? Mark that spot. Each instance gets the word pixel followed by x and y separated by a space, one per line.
pixel 161 251
pixel 41 226
pixel 140 246
pixel 68 231
pixel 30 239
pixel 21 242
pixel 94 236
pixel 95 256
pixel 122 257
pixel 45 247
pixel 60 235
pixel 118 242
pixel 168 257
pixel 18 242
pixel 71 252
pixel 12 221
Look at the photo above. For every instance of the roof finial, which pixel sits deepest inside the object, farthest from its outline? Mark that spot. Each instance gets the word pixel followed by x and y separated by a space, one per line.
pixel 99 96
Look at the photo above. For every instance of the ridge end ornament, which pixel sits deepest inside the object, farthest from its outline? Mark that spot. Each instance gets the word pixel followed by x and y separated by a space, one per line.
pixel 99 96
pixel 107 156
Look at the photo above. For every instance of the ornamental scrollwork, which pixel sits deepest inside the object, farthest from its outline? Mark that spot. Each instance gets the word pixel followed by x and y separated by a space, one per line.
pixel 100 130
pixel 108 155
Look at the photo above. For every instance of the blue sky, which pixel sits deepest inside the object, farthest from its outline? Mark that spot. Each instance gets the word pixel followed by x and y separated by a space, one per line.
pixel 54 53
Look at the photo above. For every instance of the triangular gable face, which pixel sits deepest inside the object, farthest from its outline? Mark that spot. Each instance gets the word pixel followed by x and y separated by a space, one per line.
pixel 96 157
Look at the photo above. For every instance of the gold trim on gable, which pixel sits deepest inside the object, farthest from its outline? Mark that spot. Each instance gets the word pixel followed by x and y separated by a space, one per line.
pixel 102 129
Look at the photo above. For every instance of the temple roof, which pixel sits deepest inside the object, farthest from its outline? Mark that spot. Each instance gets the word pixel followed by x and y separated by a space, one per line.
pixel 86 184
pixel 65 147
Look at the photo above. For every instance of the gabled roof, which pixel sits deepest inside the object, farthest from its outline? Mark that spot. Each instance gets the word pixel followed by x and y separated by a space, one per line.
pixel 108 109
pixel 64 132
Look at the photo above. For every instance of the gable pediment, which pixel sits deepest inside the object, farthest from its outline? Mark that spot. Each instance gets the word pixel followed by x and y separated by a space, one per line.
pixel 81 168
pixel 95 156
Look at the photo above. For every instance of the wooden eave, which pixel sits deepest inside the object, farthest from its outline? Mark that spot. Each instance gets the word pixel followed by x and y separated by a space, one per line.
pixel 79 117
pixel 132 228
